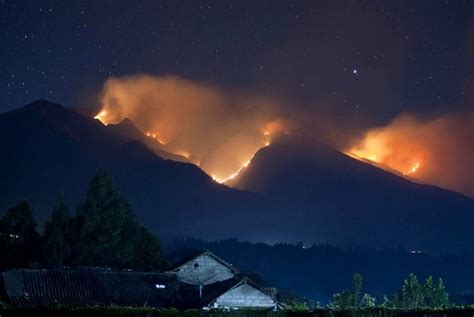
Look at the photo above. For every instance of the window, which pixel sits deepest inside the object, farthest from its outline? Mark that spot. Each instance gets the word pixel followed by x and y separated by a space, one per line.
pixel 160 286
pixel 196 265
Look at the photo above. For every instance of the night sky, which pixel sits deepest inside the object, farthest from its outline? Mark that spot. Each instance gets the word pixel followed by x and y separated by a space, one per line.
pixel 364 62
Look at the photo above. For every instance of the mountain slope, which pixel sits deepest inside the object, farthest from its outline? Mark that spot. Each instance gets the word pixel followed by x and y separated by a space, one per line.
pixel 303 193
pixel 48 149
pixel 349 200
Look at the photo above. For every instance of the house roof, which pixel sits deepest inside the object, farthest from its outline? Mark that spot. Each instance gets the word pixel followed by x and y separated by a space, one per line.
pixel 89 287
pixel 212 291
pixel 206 253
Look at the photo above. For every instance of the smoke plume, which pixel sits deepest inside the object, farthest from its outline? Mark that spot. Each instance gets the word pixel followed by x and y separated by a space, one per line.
pixel 439 151
pixel 219 131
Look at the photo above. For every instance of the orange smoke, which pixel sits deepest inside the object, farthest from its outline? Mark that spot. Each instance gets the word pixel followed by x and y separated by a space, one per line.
pixel 438 151
pixel 217 131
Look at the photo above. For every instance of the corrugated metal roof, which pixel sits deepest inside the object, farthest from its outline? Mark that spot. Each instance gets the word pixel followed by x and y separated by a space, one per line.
pixel 82 287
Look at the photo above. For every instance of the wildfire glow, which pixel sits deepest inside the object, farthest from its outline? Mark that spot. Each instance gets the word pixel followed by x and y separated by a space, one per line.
pixel 234 175
pixel 212 128
pixel 413 169
pixel 102 117
pixel 392 149
pixel 156 137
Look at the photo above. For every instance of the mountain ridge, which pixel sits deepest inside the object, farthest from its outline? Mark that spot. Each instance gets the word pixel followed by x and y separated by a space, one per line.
pixel 311 196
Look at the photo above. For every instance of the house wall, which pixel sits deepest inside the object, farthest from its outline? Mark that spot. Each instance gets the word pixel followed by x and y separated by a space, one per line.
pixel 244 296
pixel 203 270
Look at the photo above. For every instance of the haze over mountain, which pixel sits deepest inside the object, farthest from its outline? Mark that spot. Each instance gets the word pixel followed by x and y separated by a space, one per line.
pixel 299 187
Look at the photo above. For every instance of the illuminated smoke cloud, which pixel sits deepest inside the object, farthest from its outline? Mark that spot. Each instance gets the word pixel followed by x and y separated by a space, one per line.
pixel 221 131
pixel 439 151
pixel 216 130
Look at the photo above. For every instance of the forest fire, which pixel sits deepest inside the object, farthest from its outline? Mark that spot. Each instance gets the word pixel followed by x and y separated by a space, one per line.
pixel 220 131
pixel 390 150
pixel 211 128
pixel 156 137
pixel 422 149
pixel 232 176
pixel 413 169
pixel 101 116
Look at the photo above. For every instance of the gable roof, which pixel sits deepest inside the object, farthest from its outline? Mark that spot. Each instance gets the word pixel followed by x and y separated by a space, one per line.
pixel 215 291
pixel 89 287
pixel 212 291
pixel 211 255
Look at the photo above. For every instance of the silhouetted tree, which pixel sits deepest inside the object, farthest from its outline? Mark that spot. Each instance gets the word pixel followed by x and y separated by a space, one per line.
pixel 429 292
pixel 19 240
pixel 107 225
pixel 411 292
pixel 357 283
pixel 343 300
pixel 108 233
pixel 57 236
pixel 368 301
pixel 440 297
pixel 149 252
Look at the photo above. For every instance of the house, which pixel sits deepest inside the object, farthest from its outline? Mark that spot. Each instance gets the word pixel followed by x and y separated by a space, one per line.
pixel 201 281
pixel 215 283
pixel 204 269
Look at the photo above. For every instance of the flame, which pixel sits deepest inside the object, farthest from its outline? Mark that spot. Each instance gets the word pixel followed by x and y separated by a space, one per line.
pixel 236 173
pixel 233 175
pixel 390 150
pixel 157 138
pixel 101 116
pixel 215 129
pixel 413 169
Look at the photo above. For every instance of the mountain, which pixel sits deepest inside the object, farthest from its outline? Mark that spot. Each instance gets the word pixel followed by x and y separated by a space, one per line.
pixel 292 190
pixel 48 150
pixel 344 199
pixel 126 130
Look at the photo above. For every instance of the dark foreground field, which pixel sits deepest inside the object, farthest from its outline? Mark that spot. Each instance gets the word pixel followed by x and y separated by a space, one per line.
pixel 151 312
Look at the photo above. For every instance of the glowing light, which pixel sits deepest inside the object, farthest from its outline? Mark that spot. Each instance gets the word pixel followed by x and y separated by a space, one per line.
pixel 232 176
pixel 388 152
pixel 185 154
pixel 156 137
pixel 413 169
pixel 266 133
pixel 101 117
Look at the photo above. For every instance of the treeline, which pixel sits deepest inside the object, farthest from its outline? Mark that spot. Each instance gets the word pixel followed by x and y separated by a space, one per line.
pixel 103 232
pixel 411 295
pixel 318 271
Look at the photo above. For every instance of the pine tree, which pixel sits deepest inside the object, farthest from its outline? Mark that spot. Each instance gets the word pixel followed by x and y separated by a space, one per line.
pixel 107 228
pixel 357 282
pixel 57 239
pixel 440 297
pixel 149 254
pixel 108 233
pixel 429 292
pixel 411 292
pixel 19 240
